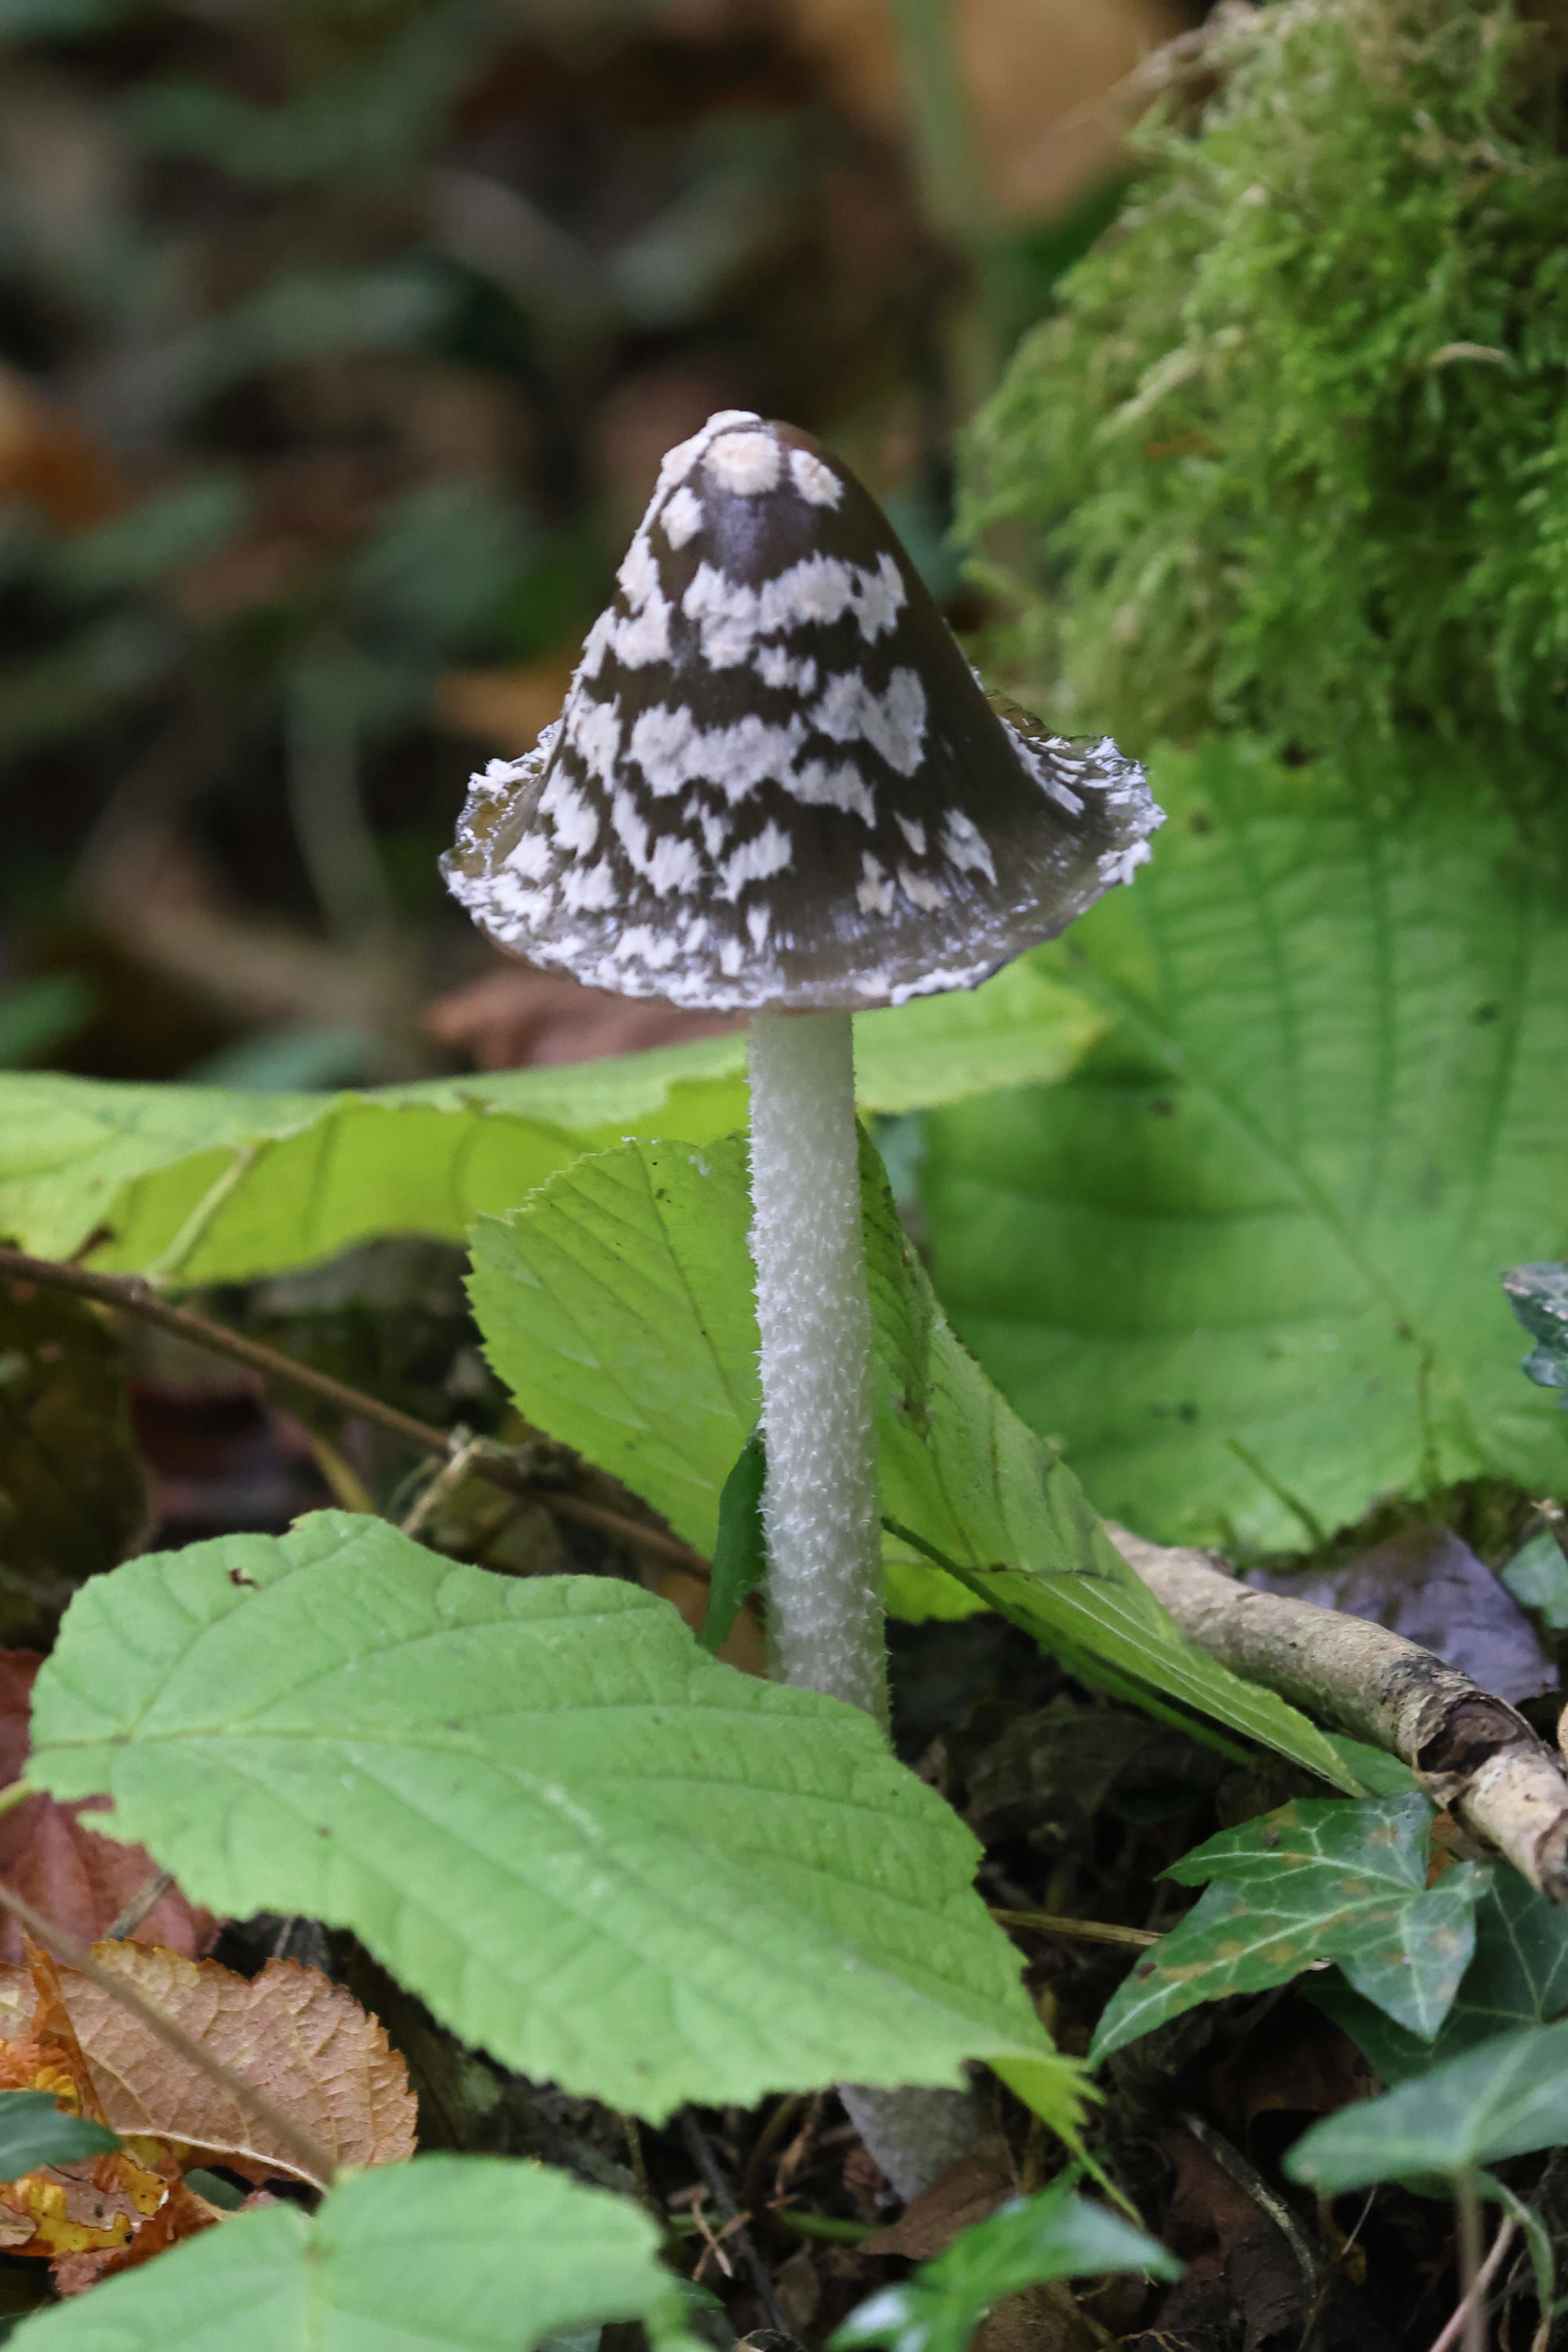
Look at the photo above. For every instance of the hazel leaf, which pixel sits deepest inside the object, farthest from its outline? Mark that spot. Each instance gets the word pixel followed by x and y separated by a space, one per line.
pixel 617 1306
pixel 1242 1264
pixel 454 2254
pixel 611 1861
pixel 1318 1881
pixel 208 1185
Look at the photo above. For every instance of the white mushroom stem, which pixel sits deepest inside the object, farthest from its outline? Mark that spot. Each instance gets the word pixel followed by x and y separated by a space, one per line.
pixel 819 1503
pixel 814 1314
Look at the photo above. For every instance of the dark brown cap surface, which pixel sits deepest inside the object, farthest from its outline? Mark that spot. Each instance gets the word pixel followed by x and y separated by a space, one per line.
pixel 775 779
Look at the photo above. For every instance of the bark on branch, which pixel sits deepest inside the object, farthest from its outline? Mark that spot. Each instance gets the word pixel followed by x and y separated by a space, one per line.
pixel 1471 1752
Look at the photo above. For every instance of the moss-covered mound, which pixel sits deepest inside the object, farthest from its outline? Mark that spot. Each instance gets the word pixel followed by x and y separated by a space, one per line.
pixel 1293 456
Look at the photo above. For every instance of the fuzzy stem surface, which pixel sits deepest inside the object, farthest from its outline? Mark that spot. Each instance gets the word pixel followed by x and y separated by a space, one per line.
pixel 814 1316
pixel 820 1501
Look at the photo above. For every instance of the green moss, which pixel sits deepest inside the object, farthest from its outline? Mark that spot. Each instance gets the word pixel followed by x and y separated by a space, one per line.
pixel 1294 455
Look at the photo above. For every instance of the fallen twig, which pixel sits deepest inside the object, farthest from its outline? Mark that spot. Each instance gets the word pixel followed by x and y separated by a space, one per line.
pixel 1469 2318
pixel 129 1295
pixel 1089 1931
pixel 735 2220
pixel 1471 1751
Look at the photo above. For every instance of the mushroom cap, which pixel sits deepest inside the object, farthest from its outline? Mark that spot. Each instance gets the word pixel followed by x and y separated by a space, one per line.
pixel 775 779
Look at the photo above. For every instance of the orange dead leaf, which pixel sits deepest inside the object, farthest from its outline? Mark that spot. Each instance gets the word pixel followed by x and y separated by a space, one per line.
pixel 49 462
pixel 109 2211
pixel 48 1855
pixel 302 2040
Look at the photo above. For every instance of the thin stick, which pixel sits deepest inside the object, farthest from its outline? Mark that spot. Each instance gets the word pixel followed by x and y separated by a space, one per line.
pixel 130 1295
pixel 1469 2319
pixel 754 2185
pixel 441 1488
pixel 314 2161
pixel 152 1891
pixel 1247 2177
pixel 1091 1931
pixel 708 2165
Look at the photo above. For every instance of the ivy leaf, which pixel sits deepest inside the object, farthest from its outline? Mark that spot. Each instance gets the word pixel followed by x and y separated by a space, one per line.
pixel 612 1862
pixel 617 1306
pixel 1518 1977
pixel 204 1185
pixel 1537 1576
pixel 1242 1264
pixel 1027 2242
pixel 739 1550
pixel 1539 1298
pixel 458 2254
pixel 1505 2098
pixel 1323 1880
pixel 35 2131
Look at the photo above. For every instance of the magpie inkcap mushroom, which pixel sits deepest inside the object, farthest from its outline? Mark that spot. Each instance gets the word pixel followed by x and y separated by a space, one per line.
pixel 776 781
pixel 777 787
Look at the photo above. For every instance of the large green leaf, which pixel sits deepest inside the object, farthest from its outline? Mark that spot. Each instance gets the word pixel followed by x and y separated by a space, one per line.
pixel 1506 2098
pixel 1028 2242
pixel 1244 1263
pixel 1311 1882
pixel 618 1308
pixel 204 1185
pixel 448 2254
pixel 612 1860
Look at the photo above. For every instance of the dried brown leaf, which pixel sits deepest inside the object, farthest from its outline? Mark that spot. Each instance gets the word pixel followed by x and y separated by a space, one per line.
pixel 515 1017
pixel 301 2039
pixel 969 2191
pixel 51 1857
pixel 1427 1584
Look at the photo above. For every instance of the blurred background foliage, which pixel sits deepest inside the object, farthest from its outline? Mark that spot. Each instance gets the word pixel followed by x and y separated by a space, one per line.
pixel 339 339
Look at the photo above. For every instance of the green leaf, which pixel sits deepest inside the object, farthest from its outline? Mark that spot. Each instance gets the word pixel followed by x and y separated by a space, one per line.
pixel 1311 1882
pixel 165 533
pixel 1505 2098
pixel 618 1308
pixel 612 1862
pixel 1518 1976
pixel 1537 1576
pixel 34 2131
pixel 1536 2233
pixel 739 1550
pixel 1027 2242
pixel 208 1186
pixel 1539 1298
pixel 39 1014
pixel 1244 1263
pixel 453 2253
